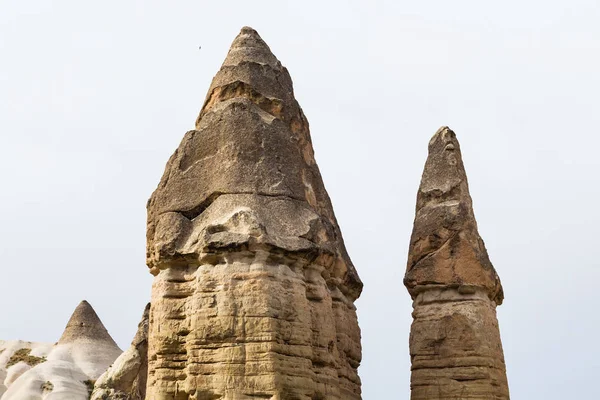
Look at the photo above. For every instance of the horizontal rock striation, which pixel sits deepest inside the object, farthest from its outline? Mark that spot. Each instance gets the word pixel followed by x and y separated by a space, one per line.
pixel 455 345
pixel 254 290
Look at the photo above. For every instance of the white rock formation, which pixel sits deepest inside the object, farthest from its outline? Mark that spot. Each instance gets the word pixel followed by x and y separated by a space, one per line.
pixel 67 370
pixel 18 357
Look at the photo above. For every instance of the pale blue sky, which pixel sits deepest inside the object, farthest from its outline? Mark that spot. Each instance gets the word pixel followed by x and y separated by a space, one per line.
pixel 94 97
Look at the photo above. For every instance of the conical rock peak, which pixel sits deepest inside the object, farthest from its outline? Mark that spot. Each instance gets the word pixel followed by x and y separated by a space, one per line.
pixel 445 246
pixel 85 324
pixel 251 141
pixel 245 249
pixel 248 46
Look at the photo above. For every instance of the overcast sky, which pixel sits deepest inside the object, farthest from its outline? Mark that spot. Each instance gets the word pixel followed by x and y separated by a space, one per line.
pixel 95 96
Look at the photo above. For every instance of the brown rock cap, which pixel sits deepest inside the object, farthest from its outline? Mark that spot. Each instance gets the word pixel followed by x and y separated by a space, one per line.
pixel 250 157
pixel 85 324
pixel 445 247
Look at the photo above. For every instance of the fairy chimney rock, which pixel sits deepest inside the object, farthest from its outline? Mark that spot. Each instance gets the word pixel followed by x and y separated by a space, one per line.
pixel 455 342
pixel 65 370
pixel 85 324
pixel 253 291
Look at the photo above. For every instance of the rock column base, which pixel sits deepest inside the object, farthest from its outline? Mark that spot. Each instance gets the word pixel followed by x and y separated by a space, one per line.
pixel 455 346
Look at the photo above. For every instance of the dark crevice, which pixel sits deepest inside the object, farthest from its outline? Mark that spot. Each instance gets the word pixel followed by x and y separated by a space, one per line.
pixel 466 379
pixel 199 209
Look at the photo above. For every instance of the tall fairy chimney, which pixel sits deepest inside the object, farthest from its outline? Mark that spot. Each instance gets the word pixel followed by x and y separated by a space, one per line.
pixel 455 346
pixel 253 293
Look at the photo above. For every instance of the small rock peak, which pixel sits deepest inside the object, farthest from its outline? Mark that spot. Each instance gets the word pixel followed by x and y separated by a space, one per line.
pixel 248 46
pixel 251 71
pixel 444 171
pixel 444 133
pixel 248 30
pixel 85 324
pixel 443 139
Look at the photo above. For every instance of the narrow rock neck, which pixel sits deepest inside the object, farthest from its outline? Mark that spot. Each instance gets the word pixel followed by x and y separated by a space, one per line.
pixel 455 347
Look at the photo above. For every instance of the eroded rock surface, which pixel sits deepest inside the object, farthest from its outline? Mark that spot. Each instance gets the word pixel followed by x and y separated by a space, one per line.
pixel 125 379
pixel 66 370
pixel 17 357
pixel 253 291
pixel 455 345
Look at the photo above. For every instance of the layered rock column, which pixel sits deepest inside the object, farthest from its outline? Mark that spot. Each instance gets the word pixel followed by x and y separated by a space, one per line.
pixel 455 346
pixel 253 291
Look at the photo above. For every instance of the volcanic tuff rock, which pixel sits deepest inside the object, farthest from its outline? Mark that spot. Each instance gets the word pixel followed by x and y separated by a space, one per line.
pixel 455 344
pixel 63 371
pixel 125 379
pixel 18 357
pixel 253 291
pixel 85 324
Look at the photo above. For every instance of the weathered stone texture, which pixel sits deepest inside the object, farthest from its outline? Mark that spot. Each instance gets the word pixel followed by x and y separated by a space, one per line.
pixel 126 378
pixel 455 345
pixel 253 292
pixel 85 324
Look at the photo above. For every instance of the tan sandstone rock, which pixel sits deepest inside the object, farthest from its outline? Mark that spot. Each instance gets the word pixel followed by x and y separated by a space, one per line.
pixel 455 346
pixel 126 378
pixel 253 291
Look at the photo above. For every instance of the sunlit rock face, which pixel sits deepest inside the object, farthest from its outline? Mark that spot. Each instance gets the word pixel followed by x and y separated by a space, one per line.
pixel 455 346
pixel 126 378
pixel 253 291
pixel 65 370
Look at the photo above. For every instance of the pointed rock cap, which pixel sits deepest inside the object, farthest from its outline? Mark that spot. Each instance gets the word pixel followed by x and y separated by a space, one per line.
pixel 251 71
pixel 85 324
pixel 445 247
pixel 248 46
pixel 251 138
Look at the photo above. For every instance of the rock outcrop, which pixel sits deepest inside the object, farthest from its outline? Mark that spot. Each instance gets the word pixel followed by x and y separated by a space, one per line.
pixel 126 378
pixel 65 370
pixel 455 346
pixel 253 291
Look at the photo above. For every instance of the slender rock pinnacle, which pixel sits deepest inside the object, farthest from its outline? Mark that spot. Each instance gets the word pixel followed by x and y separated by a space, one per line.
pixel 85 324
pixel 455 342
pixel 253 291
